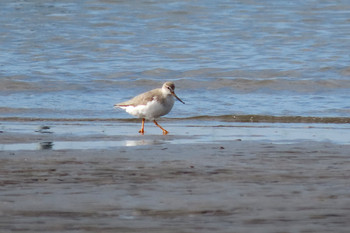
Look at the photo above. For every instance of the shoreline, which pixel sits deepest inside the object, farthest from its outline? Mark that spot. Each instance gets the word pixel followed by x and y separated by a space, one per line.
pixel 181 132
pixel 251 118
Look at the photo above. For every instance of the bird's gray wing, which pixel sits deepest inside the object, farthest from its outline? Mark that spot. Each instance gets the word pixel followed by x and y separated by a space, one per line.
pixel 141 99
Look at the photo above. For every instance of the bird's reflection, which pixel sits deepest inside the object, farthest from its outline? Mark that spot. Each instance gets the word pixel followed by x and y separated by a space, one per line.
pixel 142 142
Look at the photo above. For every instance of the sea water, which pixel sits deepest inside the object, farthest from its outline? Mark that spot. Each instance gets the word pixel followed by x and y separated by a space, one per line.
pixel 75 59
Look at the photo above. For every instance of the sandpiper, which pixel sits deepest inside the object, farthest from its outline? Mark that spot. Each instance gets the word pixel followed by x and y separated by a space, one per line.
pixel 151 105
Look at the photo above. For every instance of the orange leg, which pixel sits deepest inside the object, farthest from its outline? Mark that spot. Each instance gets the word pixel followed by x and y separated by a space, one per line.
pixel 142 130
pixel 164 131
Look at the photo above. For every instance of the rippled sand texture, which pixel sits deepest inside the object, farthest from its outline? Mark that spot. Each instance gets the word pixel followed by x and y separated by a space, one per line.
pixel 228 187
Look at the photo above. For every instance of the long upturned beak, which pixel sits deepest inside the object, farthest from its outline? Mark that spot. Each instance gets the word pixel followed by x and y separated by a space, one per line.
pixel 173 93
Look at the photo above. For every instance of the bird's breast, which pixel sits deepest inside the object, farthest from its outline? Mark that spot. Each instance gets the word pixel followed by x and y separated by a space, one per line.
pixel 153 109
pixel 158 108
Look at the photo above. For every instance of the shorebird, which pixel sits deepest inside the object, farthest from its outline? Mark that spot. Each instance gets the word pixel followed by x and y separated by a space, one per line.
pixel 151 105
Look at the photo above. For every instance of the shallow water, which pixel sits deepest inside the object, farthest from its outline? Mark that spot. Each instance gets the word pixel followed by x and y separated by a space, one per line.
pixel 75 60
pixel 18 136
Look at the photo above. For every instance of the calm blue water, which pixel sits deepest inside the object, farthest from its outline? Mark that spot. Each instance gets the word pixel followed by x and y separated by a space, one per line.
pixel 75 59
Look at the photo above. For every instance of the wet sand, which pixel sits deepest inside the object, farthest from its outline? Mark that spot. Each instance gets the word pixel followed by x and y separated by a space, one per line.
pixel 219 186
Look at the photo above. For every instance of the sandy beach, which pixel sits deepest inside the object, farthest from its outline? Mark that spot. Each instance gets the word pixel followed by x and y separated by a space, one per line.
pixel 230 185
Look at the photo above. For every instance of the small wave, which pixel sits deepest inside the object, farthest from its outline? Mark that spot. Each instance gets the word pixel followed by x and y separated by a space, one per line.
pixel 273 119
pixel 221 118
pixel 197 79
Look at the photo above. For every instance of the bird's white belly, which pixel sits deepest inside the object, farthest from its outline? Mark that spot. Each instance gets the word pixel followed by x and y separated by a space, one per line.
pixel 152 110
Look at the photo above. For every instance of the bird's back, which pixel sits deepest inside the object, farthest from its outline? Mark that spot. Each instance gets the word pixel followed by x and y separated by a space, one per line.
pixel 141 99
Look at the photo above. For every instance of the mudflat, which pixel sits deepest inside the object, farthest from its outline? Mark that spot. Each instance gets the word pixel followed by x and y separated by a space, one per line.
pixel 228 186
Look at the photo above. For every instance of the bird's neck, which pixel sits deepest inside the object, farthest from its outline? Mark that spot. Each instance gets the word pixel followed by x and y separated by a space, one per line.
pixel 165 92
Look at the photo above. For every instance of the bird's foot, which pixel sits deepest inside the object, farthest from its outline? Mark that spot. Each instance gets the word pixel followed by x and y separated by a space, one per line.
pixel 142 131
pixel 165 132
